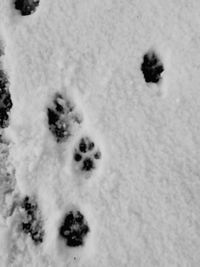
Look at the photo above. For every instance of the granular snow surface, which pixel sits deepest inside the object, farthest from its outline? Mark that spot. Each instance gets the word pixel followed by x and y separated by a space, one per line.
pixel 141 200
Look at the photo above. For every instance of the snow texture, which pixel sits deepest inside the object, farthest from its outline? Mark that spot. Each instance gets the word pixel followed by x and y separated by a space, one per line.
pixel 141 201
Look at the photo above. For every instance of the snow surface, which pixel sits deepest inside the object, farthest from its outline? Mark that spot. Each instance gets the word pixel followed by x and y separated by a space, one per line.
pixel 142 202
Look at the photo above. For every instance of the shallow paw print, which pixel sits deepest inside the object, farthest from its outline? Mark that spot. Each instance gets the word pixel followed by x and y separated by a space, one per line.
pixel 32 224
pixel 63 119
pixel 86 155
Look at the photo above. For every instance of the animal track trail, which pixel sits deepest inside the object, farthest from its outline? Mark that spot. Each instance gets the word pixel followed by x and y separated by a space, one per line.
pixel 64 120
pixel 68 124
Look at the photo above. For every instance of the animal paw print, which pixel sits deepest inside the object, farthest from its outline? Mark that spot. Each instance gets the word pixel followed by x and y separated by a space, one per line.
pixel 32 224
pixel 74 229
pixel 26 7
pixel 63 119
pixel 152 67
pixel 86 154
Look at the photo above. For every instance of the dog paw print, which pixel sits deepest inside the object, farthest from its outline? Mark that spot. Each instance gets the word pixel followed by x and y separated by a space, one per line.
pixel 74 229
pixel 26 7
pixel 86 155
pixel 63 118
pixel 152 67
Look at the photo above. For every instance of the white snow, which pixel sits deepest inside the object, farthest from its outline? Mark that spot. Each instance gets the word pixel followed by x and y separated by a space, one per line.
pixel 142 203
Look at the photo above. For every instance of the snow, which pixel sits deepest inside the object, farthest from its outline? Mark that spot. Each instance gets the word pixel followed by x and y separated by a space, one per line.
pixel 142 202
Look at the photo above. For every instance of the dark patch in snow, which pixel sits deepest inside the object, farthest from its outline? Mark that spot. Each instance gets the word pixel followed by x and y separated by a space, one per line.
pixel 1 50
pixel 88 164
pixel 5 100
pixel 4 83
pixel 77 157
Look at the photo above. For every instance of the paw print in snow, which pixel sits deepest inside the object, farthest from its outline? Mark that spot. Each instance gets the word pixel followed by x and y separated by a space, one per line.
pixel 152 67
pixel 63 119
pixel 31 221
pixel 74 229
pixel 86 154
pixel 26 7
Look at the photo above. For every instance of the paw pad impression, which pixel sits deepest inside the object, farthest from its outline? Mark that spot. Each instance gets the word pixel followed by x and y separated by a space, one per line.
pixel 74 229
pixel 86 154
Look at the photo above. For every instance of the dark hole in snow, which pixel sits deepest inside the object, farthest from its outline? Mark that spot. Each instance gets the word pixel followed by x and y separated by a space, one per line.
pixel 83 146
pixel 77 157
pixel 26 7
pixel 53 117
pixel 97 155
pixel 88 164
pixel 4 118
pixel 74 229
pixel 152 67
pixel 86 145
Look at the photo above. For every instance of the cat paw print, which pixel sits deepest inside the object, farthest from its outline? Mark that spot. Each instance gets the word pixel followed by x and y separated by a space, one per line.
pixel 86 155
pixel 63 118
pixel 152 67
pixel 74 229
pixel 26 7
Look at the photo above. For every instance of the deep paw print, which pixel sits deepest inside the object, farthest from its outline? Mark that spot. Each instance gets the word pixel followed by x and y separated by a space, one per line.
pixel 152 67
pixel 62 118
pixel 74 229
pixel 26 7
pixel 31 220
pixel 86 154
